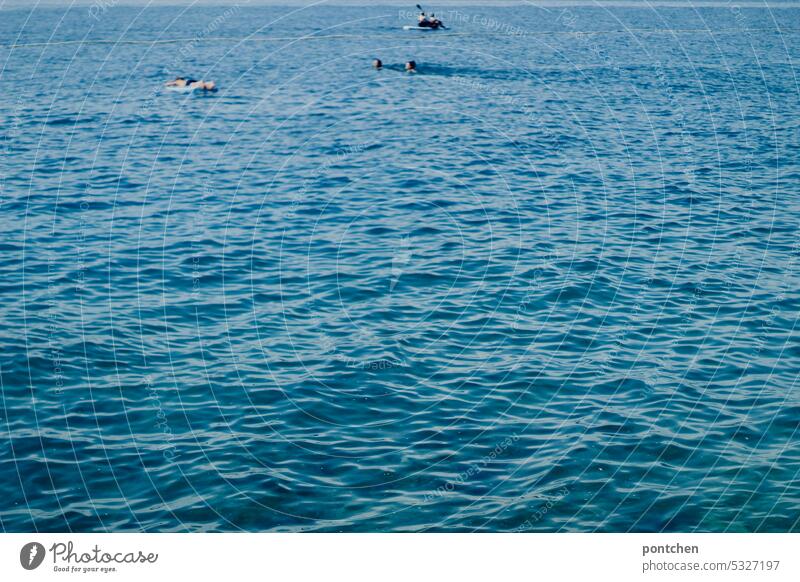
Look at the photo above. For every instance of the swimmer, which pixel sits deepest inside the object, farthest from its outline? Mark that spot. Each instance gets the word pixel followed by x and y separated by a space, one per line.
pixel 377 63
pixel 192 84
pixel 411 67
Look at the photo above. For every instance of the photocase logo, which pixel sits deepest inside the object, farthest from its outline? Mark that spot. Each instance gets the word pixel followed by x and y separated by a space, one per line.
pixel 31 555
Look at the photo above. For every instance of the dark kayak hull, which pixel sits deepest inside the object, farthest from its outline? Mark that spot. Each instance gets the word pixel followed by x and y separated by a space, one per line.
pixel 422 27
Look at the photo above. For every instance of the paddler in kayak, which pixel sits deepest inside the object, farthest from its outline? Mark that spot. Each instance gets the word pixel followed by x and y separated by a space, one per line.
pixel 192 84
pixel 425 21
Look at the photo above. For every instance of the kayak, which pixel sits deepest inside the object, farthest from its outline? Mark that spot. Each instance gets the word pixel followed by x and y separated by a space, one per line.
pixel 421 28
pixel 185 89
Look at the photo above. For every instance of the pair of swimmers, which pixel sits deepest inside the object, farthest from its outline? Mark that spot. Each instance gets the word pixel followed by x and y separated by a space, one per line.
pixel 181 82
pixel 410 66
pixel 192 84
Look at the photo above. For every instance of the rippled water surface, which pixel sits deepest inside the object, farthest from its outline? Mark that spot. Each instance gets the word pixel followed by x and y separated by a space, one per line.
pixel 548 283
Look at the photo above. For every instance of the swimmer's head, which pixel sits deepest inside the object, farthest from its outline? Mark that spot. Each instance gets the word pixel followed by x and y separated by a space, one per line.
pixel 377 63
pixel 411 66
pixel 211 85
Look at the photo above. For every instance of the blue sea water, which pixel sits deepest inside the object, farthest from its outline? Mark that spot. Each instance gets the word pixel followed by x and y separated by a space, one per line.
pixel 548 283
